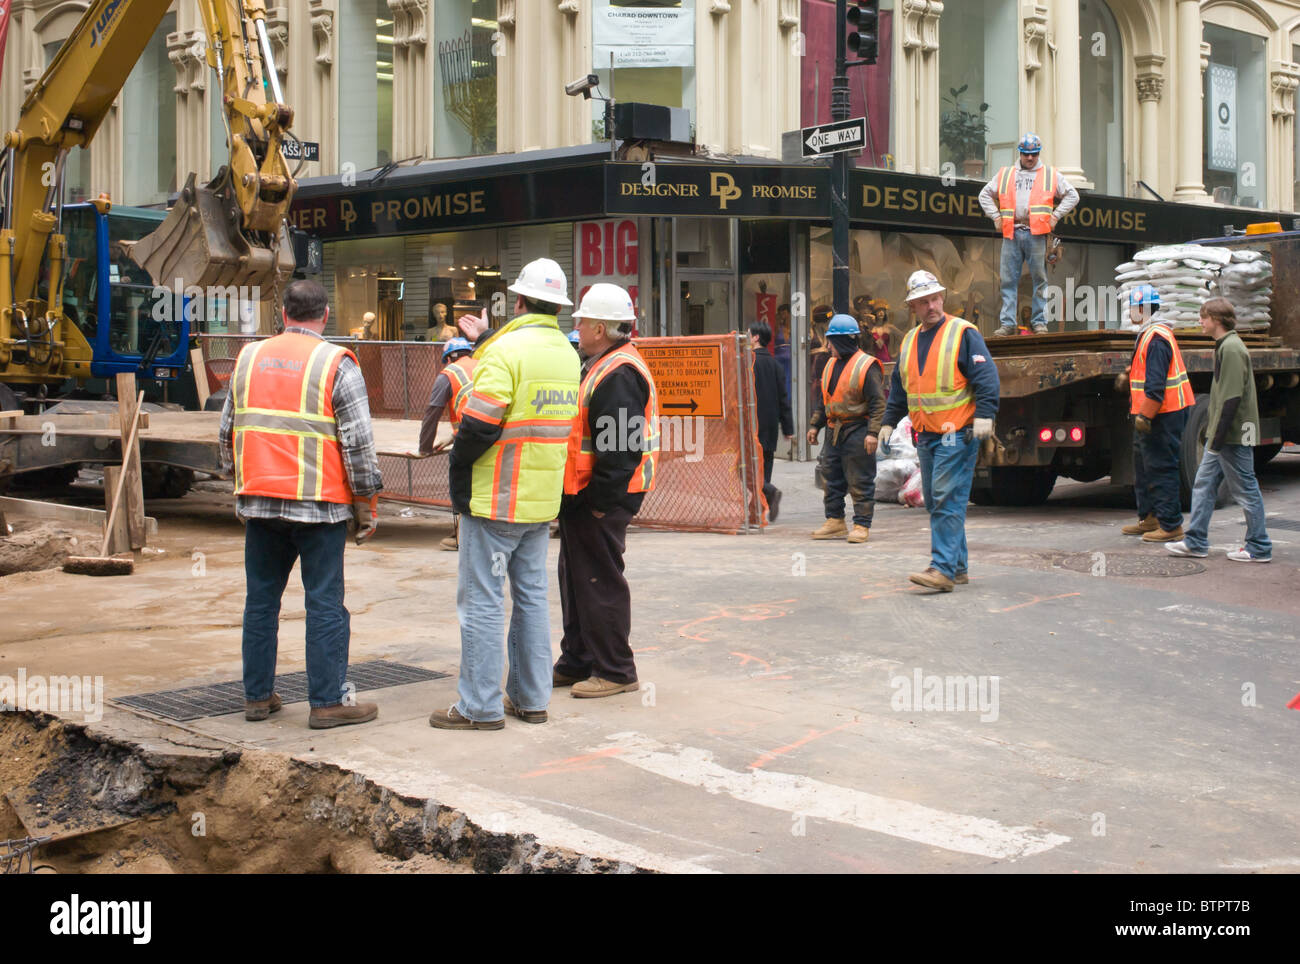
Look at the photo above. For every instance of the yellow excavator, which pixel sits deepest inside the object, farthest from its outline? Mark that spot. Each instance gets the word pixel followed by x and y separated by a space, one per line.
pixel 229 232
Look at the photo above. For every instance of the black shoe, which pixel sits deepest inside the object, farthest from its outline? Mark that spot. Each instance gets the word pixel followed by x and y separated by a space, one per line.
pixel 774 505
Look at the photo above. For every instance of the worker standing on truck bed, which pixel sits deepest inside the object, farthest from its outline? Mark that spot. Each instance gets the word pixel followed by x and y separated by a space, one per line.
pixel 1159 397
pixel 949 385
pixel 1025 203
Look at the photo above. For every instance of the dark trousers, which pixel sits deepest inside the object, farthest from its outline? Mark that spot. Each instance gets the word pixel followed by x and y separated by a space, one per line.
pixel 769 456
pixel 849 470
pixel 1155 469
pixel 271 546
pixel 594 597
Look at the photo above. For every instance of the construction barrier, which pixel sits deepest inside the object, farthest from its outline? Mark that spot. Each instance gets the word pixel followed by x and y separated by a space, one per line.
pixel 710 470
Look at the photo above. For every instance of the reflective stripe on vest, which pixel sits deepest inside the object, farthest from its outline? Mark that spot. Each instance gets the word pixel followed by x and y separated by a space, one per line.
pixel 460 374
pixel 285 434
pixel 846 399
pixel 1178 388
pixel 1042 200
pixel 939 399
pixel 582 448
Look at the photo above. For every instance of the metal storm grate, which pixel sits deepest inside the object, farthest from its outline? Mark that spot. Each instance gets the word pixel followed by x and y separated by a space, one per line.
pixel 1290 524
pixel 217 699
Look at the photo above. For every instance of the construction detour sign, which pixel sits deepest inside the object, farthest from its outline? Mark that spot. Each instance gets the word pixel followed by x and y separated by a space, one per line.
pixel 688 378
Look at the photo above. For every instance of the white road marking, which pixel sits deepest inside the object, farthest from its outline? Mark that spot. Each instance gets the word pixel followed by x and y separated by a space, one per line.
pixel 825 801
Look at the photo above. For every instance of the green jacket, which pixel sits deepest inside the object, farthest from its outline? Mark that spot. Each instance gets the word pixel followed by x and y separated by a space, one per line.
pixel 1234 410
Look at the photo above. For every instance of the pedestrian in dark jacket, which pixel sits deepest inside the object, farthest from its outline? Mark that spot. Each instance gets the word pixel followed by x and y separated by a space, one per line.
pixel 772 399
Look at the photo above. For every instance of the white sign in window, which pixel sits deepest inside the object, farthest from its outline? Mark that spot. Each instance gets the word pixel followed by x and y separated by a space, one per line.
pixel 1222 121
pixel 641 37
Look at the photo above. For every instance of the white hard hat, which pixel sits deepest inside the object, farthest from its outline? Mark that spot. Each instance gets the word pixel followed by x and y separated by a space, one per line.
pixel 606 302
pixel 544 280
pixel 922 284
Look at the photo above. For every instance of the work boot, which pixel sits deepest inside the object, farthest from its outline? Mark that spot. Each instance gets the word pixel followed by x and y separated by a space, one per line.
pixel 559 679
pixel 450 544
pixel 595 687
pixel 1005 330
pixel 1149 524
pixel 528 716
pixel 932 578
pixel 859 534
pixel 255 710
pixel 961 579
pixel 324 717
pixel 450 719
pixel 774 506
pixel 831 529
pixel 1160 534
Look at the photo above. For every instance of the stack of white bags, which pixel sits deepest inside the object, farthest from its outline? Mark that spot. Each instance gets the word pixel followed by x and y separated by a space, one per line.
pixel 1188 275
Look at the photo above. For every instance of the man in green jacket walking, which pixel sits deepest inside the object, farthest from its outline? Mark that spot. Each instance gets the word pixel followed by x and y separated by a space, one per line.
pixel 1231 434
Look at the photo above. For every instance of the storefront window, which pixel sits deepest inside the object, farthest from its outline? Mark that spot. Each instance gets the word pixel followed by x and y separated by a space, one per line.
pixel 1295 204
pixel 979 103
pixel 870 88
pixel 703 242
pixel 149 122
pixel 76 169
pixel 651 44
pixel 1236 117
pixel 365 114
pixel 368 278
pixel 1100 84
pixel 465 98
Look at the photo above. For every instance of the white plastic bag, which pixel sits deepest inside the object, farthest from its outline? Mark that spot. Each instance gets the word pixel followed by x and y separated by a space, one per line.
pixel 910 494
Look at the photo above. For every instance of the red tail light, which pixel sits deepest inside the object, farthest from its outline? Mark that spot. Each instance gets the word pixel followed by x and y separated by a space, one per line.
pixel 1076 434
pixel 1044 434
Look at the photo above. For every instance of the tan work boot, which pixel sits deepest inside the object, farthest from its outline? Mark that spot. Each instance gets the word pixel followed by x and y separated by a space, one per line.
pixel 1161 534
pixel 859 534
pixel 559 679
pixel 831 529
pixel 932 578
pixel 595 687
pixel 1149 524
pixel 528 716
pixel 255 710
pixel 961 579
pixel 324 717
pixel 449 543
pixel 450 719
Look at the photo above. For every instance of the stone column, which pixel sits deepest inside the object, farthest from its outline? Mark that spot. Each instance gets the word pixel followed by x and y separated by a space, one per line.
pixel 411 82
pixel 917 98
pixel 1066 153
pixel 1284 80
pixel 320 92
pixel 1150 86
pixel 1035 33
pixel 1189 185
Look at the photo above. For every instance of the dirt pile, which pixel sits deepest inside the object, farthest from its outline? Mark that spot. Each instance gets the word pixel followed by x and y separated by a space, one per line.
pixel 37 545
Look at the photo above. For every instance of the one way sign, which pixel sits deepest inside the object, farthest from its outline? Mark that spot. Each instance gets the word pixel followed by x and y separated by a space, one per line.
pixel 849 135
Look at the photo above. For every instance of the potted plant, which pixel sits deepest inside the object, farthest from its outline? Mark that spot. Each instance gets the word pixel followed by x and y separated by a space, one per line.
pixel 963 132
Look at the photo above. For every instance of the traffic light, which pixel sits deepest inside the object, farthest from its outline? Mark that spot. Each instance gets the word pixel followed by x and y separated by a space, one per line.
pixel 863 35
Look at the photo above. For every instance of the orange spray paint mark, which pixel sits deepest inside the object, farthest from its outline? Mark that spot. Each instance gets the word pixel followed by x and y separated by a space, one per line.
pixel 771 755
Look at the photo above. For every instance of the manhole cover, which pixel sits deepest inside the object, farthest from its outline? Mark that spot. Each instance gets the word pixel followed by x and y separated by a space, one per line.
pixel 216 699
pixel 1117 564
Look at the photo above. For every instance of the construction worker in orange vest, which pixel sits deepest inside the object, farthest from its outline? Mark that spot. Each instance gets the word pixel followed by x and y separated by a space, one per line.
pixel 295 430
pixel 450 393
pixel 1025 203
pixel 1159 398
pixel 947 382
pixel 613 452
pixel 850 405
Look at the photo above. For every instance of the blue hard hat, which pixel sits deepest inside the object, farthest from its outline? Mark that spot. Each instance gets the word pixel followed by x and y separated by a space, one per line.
pixel 1030 144
pixel 456 344
pixel 573 336
pixel 843 325
pixel 1144 295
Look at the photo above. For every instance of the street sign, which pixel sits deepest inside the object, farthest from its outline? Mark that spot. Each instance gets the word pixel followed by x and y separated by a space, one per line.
pixel 310 150
pixel 688 378
pixel 847 135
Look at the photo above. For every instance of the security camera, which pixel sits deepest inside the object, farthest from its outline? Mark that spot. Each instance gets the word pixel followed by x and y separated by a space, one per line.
pixel 583 86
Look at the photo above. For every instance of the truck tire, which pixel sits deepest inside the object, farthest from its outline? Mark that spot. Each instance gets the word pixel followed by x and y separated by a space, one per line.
pixel 1016 486
pixel 1193 448
pixel 165 481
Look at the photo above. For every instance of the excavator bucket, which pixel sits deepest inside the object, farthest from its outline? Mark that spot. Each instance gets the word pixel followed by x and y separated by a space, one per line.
pixel 202 244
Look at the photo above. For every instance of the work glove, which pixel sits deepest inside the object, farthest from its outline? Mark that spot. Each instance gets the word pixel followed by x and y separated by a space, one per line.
pixel 871 443
pixel 883 436
pixel 983 428
pixel 1142 425
pixel 365 512
pixel 812 436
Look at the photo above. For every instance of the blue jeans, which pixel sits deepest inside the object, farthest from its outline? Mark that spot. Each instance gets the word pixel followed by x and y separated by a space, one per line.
pixel 1156 469
pixel 947 468
pixel 271 546
pixel 1236 463
pixel 491 550
pixel 1016 251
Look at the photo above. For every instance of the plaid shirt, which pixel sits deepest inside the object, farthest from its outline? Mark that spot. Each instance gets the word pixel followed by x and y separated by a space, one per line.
pixel 352 412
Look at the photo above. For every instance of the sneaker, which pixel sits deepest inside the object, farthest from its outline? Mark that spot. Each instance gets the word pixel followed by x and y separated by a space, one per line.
pixel 324 717
pixel 932 578
pixel 595 687
pixel 774 506
pixel 1243 555
pixel 859 534
pixel 1181 549
pixel 1004 331
pixel 450 719
pixel 255 710
pixel 1162 534
pixel 1040 329
pixel 832 529
pixel 528 716
pixel 1149 524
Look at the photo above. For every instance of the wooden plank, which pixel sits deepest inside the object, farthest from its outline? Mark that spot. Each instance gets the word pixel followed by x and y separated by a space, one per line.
pixel 133 497
pixel 70 423
pixel 119 540
pixel 58 512
pixel 200 377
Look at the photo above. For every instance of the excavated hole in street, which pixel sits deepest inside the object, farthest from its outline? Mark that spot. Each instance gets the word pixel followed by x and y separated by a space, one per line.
pixel 259 812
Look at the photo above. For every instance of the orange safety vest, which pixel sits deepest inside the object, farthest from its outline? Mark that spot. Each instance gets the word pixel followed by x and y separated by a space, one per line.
pixel 461 375
pixel 285 434
pixel 1042 200
pixel 846 400
pixel 1178 389
pixel 939 399
pixel 582 448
